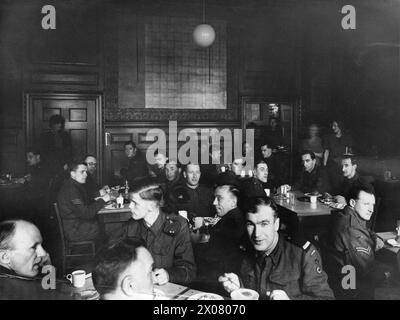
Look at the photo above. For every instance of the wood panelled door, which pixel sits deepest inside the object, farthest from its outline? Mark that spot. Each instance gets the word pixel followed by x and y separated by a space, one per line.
pixel 83 120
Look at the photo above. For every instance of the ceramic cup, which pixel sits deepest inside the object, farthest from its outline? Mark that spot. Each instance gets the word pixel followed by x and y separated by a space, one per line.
pixel 77 278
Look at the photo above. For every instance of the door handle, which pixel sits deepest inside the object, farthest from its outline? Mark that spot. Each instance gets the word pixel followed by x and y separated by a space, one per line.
pixel 107 138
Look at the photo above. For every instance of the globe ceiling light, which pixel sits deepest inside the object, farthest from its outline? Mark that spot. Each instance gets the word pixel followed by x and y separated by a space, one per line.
pixel 204 35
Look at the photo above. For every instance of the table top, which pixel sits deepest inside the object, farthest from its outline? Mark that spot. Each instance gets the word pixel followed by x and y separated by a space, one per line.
pixel 303 209
pixel 385 237
pixel 115 210
pixel 18 288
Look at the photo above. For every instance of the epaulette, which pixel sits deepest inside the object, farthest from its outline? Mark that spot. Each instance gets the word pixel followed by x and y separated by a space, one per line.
pixel 172 226
pixel 300 242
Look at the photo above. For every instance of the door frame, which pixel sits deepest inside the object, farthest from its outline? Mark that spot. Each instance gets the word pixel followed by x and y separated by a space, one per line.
pixel 29 97
pixel 294 101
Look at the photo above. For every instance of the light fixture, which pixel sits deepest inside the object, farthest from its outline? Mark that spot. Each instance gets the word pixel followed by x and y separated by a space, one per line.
pixel 204 34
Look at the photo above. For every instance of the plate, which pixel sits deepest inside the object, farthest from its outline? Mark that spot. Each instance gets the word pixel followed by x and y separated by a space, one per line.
pixel 205 296
pixel 110 206
pixel 309 194
pixel 88 295
pixel 393 243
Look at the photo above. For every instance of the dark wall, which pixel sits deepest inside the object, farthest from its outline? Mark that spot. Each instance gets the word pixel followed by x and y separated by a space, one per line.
pixel 275 49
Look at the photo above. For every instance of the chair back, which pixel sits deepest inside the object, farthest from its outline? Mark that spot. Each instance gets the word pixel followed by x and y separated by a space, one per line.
pixel 60 233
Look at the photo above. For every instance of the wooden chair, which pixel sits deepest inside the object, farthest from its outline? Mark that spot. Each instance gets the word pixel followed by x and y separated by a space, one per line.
pixel 67 247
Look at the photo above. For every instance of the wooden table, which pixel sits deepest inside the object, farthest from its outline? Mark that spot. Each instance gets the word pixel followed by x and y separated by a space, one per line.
pixel 28 289
pixel 388 254
pixel 114 220
pixel 303 217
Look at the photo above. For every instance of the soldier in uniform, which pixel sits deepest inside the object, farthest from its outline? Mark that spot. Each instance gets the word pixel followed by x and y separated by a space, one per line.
pixel 351 243
pixel 93 189
pixel 166 236
pixel 77 211
pixel 192 197
pixel 275 268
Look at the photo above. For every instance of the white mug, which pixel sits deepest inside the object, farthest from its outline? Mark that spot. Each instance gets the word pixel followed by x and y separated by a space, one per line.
pixel 267 192
pixel 222 169
pixel 77 278
pixel 313 199
pixel 243 173
pixel 250 173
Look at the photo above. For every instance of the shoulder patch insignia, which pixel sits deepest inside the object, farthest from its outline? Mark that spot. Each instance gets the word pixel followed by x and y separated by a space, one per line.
pixel 306 245
pixel 366 250
pixel 171 227
pixel 76 201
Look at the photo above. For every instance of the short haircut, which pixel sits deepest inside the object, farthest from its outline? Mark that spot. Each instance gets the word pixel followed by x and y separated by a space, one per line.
pixel 231 188
pixel 7 232
pixel 312 154
pixel 340 124
pixel 355 190
pixel 113 260
pixel 73 165
pixel 191 163
pixel 352 158
pixel 149 190
pixel 34 150
pixel 173 162
pixel 87 156
pixel 130 143
pixel 56 119
pixel 266 143
pixel 259 161
pixel 251 205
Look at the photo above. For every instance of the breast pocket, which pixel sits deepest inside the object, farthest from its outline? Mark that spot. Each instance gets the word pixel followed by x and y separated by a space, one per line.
pixel 163 252
pixel 287 281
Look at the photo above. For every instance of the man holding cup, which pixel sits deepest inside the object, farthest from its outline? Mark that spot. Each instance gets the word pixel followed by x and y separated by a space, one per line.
pixel 222 252
pixel 275 268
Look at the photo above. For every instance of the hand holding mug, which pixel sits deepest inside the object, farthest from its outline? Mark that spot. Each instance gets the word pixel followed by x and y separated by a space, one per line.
pixel 106 197
pixel 160 276
pixel 278 295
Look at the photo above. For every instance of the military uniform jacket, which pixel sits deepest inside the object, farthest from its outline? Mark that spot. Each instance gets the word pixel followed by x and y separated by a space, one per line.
pixel 296 270
pixel 76 211
pixel 168 240
pixel 351 243
pixel 222 252
pixel 197 202
pixel 316 180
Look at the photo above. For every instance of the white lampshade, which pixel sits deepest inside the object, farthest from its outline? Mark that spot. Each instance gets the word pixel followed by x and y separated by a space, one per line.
pixel 204 35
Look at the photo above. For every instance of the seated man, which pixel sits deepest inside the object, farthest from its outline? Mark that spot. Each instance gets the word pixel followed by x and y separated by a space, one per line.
pixel 351 242
pixel 238 166
pixel 312 177
pixel 277 174
pixel 173 180
pixel 157 170
pixel 210 171
pixel 350 178
pixel 256 185
pixel 222 252
pixel 137 168
pixel 37 180
pixel 274 267
pixel 77 211
pixel 93 190
pixel 123 271
pixel 193 197
pixel 166 236
pixel 21 251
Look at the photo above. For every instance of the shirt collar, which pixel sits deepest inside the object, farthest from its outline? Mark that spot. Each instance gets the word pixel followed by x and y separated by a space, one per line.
pixel 275 253
pixel 156 226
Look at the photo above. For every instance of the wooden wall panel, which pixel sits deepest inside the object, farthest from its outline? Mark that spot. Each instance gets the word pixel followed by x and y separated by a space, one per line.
pixel 114 156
